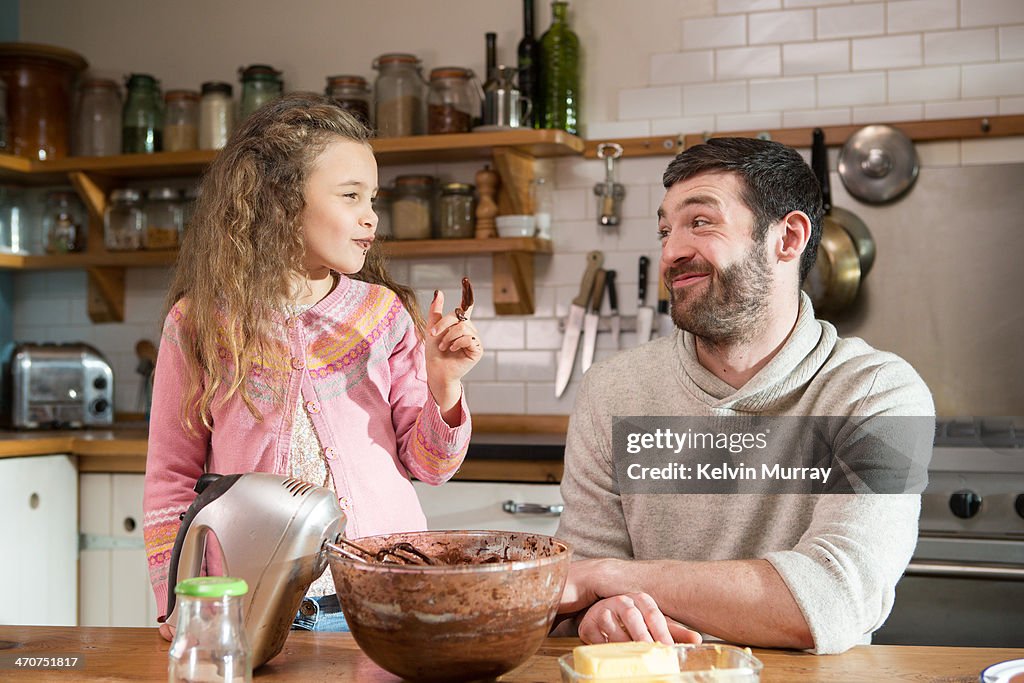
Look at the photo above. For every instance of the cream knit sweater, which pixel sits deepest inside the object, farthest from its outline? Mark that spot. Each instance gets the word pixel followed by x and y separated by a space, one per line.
pixel 840 555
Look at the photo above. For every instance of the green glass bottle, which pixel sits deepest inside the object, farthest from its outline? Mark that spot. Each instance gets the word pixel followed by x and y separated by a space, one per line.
pixel 560 74
pixel 142 124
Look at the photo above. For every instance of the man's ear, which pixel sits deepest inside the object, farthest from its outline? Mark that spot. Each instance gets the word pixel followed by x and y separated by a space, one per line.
pixel 791 236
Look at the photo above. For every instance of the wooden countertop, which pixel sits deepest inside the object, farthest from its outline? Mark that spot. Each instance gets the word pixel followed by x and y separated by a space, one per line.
pixel 123 449
pixel 139 654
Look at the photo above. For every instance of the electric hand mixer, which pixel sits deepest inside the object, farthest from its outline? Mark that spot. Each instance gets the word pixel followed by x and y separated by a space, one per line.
pixel 272 531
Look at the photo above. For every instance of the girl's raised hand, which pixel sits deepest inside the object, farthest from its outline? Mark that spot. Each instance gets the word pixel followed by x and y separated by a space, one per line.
pixel 453 347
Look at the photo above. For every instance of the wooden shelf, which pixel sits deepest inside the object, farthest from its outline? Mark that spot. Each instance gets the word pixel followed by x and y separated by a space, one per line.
pixel 405 150
pixel 393 249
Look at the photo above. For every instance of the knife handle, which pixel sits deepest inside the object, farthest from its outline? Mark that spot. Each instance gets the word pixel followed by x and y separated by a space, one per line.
pixel 662 296
pixel 642 287
pixel 597 293
pixel 595 260
pixel 613 295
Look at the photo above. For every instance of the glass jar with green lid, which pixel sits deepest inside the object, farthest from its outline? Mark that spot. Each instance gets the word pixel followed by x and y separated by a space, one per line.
pixel 210 642
pixel 142 124
pixel 457 220
pixel 260 84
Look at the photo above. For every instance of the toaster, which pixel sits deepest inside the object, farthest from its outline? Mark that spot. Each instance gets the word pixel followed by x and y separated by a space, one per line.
pixel 50 386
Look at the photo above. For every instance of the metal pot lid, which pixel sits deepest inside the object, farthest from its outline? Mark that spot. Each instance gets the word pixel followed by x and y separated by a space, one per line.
pixel 878 164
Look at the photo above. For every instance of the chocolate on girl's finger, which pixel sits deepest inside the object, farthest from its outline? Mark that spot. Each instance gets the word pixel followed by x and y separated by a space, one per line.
pixel 467 295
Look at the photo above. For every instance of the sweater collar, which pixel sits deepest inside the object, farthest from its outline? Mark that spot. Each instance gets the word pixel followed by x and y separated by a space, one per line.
pixel 336 295
pixel 804 352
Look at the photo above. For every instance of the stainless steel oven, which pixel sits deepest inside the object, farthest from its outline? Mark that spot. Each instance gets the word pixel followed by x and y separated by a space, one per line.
pixel 965 583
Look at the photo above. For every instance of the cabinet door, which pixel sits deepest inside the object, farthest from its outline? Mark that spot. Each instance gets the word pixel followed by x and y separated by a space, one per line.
pixel 38 523
pixel 115 579
pixel 532 508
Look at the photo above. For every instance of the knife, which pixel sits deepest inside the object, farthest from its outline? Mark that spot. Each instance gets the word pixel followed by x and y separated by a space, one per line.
pixel 591 319
pixel 665 324
pixel 613 302
pixel 644 313
pixel 574 324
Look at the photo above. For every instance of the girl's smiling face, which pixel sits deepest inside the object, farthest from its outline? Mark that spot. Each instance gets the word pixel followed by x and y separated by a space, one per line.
pixel 338 223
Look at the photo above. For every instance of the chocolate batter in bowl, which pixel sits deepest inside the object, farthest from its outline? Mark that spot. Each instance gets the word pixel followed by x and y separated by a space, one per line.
pixel 482 609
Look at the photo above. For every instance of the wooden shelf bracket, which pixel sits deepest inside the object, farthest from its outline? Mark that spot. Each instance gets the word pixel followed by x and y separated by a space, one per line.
pixel 105 296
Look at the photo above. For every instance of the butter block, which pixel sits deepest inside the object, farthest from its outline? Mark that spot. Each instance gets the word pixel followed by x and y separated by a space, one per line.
pixel 625 661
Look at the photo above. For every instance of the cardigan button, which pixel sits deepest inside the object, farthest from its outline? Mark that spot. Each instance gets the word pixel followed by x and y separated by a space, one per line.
pixel 312 407
pixel 298 363
pixel 344 503
pixel 330 454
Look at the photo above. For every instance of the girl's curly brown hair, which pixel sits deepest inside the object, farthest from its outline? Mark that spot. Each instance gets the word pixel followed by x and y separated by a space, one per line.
pixel 244 243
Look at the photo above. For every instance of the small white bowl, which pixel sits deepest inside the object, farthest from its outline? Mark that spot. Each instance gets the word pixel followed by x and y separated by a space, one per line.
pixel 516 225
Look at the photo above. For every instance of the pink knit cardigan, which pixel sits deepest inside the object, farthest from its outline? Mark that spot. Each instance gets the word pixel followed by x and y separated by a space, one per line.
pixel 356 361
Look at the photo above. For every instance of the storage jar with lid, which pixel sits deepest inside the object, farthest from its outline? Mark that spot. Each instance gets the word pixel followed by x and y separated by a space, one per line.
pixel 163 218
pixel 260 84
pixel 412 210
pixel 39 81
pixel 453 101
pixel 210 642
pixel 142 127
pixel 181 120
pixel 14 232
pixel 382 207
pixel 353 95
pixel 5 142
pixel 216 115
pixel 398 92
pixel 63 223
pixel 124 220
pixel 457 219
pixel 98 123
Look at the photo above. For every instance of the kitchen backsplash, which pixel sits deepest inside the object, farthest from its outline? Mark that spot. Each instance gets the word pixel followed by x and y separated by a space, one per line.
pixel 943 288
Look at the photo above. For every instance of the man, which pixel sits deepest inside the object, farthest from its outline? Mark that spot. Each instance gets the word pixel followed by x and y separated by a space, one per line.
pixel 739 229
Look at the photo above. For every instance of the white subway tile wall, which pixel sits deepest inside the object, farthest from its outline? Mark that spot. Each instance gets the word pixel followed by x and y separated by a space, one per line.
pixel 746 65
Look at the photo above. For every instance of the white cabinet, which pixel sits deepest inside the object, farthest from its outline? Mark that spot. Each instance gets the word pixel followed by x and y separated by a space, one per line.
pixel 114 583
pixel 486 505
pixel 38 507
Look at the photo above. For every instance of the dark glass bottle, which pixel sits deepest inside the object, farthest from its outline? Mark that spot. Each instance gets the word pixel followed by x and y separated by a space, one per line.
pixel 560 73
pixel 529 59
pixel 491 63
pixel 142 124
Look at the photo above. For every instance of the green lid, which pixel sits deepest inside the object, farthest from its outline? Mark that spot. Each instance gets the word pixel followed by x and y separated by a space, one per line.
pixel 212 587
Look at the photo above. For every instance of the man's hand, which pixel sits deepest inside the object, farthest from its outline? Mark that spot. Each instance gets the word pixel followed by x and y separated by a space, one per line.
pixel 632 617
pixel 583 585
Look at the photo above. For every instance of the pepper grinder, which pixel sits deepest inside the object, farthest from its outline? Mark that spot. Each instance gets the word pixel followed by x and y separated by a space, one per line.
pixel 486 208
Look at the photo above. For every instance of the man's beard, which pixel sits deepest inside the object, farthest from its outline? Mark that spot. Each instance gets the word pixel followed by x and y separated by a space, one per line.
pixel 733 308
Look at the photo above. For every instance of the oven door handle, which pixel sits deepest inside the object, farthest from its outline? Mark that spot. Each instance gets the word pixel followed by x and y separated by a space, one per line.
pixel 965 571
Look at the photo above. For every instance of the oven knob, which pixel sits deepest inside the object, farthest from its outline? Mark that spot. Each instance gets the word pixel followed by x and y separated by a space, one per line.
pixel 100 383
pixel 965 504
pixel 1019 504
pixel 99 406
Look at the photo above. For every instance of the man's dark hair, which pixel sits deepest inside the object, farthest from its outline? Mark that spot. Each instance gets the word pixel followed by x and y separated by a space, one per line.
pixel 776 180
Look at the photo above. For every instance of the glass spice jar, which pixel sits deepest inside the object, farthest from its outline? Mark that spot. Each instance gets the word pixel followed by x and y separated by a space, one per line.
pixel 124 221
pixel 457 219
pixel 181 120
pixel 352 94
pixel 260 84
pixel 63 223
pixel 382 207
pixel 398 92
pixel 142 124
pixel 413 207
pixel 452 102
pixel 98 121
pixel 163 219
pixel 216 115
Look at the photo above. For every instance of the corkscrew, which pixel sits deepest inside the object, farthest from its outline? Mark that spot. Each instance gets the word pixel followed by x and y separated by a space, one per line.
pixel 609 193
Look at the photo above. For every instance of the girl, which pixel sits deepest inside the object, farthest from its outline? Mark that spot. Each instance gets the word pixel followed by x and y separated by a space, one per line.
pixel 288 349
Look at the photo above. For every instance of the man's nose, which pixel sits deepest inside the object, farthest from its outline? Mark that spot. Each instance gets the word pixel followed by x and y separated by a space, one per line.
pixel 677 246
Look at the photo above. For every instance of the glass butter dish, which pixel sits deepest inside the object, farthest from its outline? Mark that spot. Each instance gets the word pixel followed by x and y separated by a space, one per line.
pixel 708 663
